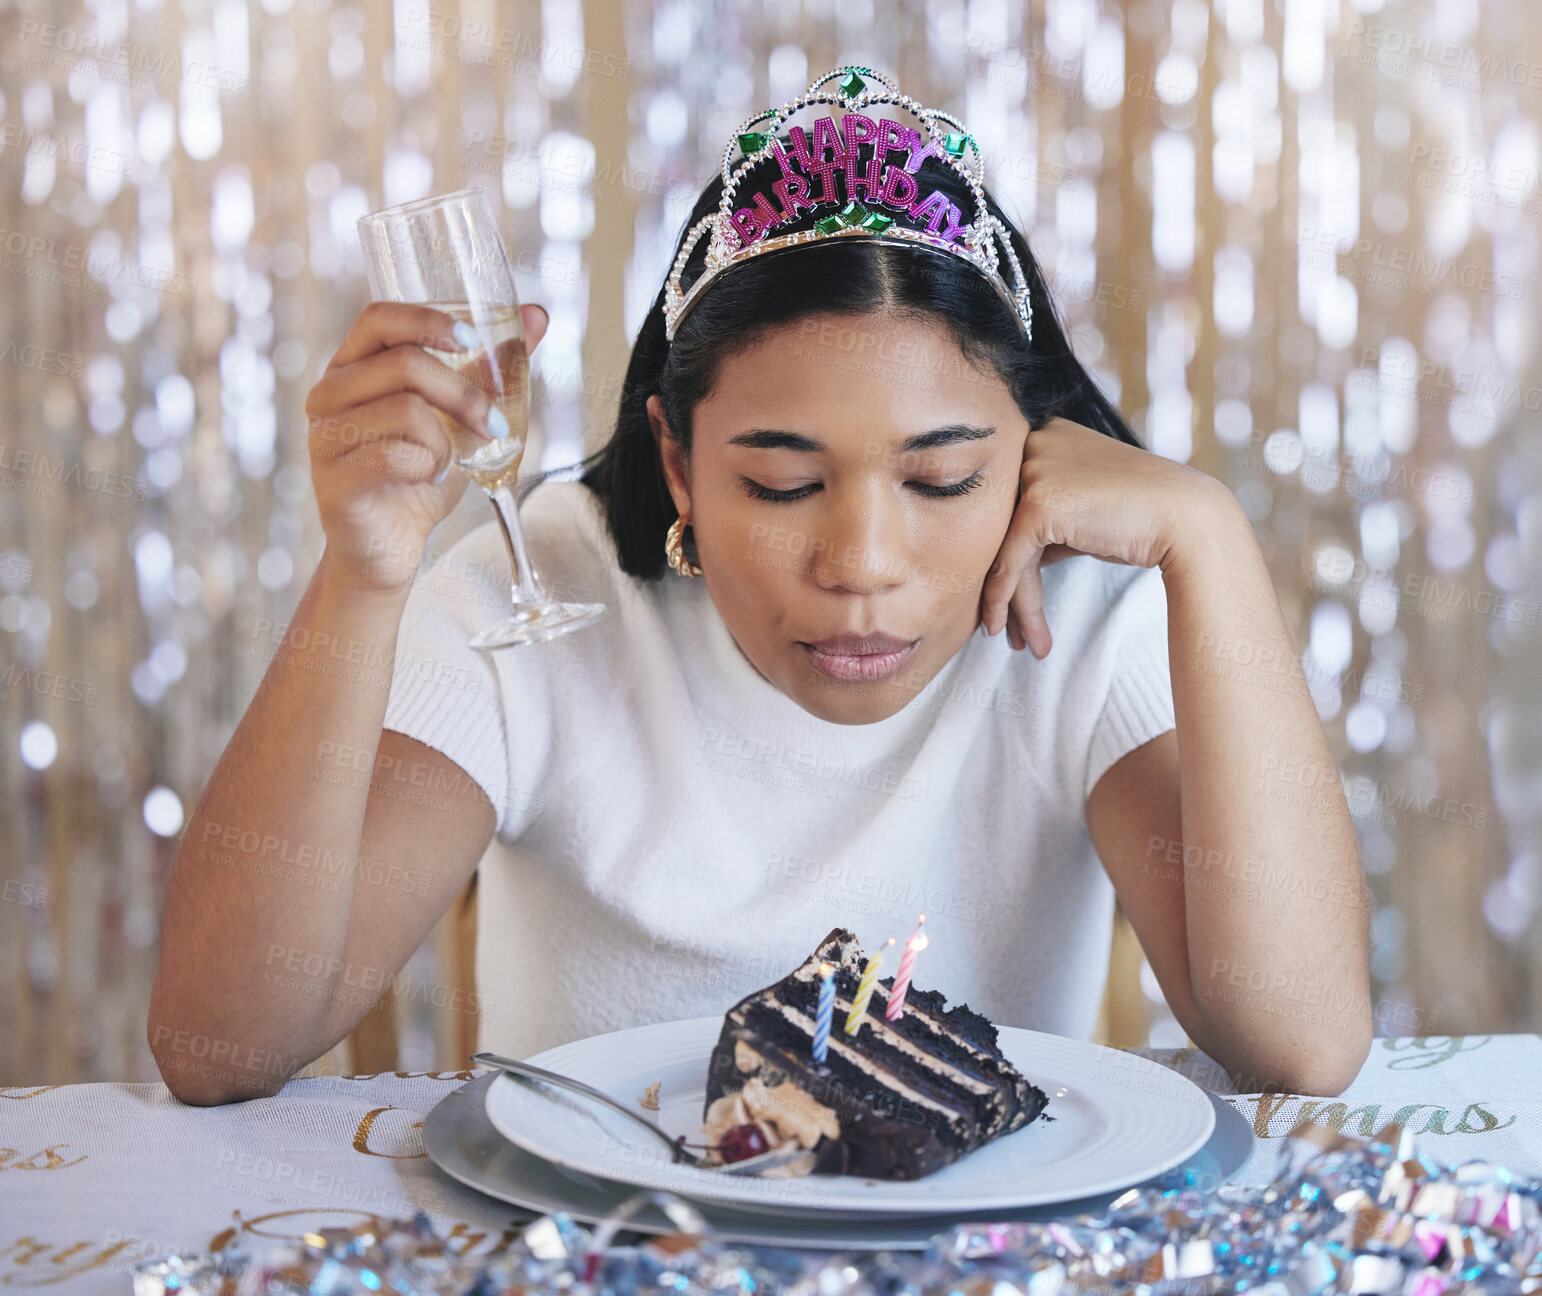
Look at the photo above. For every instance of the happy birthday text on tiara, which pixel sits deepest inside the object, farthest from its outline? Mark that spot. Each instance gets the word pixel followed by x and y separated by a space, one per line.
pixel 880 182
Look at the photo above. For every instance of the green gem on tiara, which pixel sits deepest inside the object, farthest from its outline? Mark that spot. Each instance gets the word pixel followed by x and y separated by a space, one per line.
pixel 978 246
pixel 854 213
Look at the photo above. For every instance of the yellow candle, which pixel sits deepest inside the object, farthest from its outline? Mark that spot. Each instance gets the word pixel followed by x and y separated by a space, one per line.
pixel 865 990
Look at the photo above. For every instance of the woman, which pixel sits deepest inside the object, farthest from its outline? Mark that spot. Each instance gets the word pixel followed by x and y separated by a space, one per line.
pixel 865 462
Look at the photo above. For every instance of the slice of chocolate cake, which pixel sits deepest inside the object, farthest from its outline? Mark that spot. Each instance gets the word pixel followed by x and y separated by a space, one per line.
pixel 896 1101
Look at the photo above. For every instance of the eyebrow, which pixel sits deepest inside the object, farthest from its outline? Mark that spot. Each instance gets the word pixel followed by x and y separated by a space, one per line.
pixel 775 439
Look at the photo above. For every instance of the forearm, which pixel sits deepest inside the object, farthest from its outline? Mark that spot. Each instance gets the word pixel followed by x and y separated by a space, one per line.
pixel 257 907
pixel 1276 910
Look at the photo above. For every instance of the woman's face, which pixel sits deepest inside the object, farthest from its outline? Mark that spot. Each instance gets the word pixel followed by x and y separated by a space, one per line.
pixel 859 424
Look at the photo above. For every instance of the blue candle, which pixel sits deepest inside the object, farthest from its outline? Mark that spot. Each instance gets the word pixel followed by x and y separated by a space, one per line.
pixel 826 1011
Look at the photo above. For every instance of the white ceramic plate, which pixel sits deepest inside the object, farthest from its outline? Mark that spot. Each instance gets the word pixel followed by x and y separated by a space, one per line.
pixel 1118 1120
pixel 463 1144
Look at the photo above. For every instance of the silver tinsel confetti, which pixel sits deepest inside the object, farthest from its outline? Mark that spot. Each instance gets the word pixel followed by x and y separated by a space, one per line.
pixel 1360 1217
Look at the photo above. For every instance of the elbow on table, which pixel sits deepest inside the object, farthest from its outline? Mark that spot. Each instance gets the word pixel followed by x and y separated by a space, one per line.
pixel 1323 1071
pixel 199 1082
pixel 1320 1063
pixel 1318 1078
pixel 205 1093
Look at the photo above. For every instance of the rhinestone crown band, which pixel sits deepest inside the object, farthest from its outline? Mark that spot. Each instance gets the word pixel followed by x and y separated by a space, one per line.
pixel 877 196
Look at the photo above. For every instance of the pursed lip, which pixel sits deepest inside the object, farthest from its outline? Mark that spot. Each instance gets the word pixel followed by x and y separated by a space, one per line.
pixel 855 658
pixel 858 645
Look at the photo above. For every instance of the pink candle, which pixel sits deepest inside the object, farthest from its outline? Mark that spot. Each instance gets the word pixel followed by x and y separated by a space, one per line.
pixel 913 946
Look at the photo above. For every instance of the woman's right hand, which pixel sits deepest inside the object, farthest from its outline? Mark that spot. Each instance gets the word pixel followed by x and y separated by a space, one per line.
pixel 379 454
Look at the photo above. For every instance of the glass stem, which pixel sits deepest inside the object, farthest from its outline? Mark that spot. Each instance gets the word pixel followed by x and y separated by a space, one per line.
pixel 528 591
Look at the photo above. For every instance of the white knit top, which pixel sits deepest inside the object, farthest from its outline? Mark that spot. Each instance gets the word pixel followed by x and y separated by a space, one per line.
pixel 675 832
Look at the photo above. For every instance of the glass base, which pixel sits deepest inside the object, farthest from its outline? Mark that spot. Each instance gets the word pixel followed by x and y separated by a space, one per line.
pixel 537 624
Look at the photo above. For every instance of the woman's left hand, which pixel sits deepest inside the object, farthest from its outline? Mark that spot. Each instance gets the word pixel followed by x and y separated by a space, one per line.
pixel 1081 492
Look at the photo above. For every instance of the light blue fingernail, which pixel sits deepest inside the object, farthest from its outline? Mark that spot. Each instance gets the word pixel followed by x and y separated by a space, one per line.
pixel 443 473
pixel 497 424
pixel 465 334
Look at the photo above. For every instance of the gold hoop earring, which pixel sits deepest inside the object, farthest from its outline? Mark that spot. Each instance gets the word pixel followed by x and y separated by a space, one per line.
pixel 674 551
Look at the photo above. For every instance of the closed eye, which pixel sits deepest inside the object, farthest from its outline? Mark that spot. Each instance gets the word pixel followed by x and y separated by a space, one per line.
pixel 944 492
pixel 756 491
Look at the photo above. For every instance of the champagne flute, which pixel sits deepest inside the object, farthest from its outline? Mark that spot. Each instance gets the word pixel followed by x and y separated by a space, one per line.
pixel 446 252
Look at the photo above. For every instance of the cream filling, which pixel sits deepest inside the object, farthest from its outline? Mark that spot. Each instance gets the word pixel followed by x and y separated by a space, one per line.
pixel 809 971
pixel 864 1064
pixel 875 1021
pixel 784 1114
pixel 874 1017
pixel 745 1058
pixel 942 1029
pixel 1002 1102
pixel 930 1060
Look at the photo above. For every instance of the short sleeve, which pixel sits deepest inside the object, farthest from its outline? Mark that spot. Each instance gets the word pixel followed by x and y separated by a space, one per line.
pixel 445 693
pixel 1139 701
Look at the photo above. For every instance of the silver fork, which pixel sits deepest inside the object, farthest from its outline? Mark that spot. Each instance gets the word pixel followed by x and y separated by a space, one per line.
pixel 790 1154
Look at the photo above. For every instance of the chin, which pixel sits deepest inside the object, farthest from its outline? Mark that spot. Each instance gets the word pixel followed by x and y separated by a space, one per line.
pixel 861 712
pixel 852 703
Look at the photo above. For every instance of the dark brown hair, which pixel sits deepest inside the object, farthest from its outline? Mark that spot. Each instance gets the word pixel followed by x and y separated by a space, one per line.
pixel 842 277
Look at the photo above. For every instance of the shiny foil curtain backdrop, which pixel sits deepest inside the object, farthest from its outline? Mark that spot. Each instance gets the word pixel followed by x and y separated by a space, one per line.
pixel 1296 242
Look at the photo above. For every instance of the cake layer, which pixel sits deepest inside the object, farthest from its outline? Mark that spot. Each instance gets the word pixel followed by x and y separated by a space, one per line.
pixel 883 1058
pixel 958 1035
pixel 909 1095
pixel 855 1075
pixel 880 1137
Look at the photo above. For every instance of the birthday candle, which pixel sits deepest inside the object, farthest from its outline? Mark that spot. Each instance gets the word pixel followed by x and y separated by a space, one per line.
pixel 825 1012
pixel 865 990
pixel 913 946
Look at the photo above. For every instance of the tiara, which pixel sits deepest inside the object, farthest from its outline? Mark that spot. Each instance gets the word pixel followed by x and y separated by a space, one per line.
pixel 881 199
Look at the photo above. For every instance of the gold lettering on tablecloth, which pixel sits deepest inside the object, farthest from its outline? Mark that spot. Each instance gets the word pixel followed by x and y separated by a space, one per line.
pixel 1336 1116
pixel 462 1232
pixel 1429 1050
pixel 416 1075
pixel 361 1137
pixel 1405 1114
pixel 459 1231
pixel 28 1241
pixel 38 1251
pixel 225 1237
pixel 471 1240
pixel 1274 1116
pixel 1490 1121
pixel 55 1161
pixel 434 1075
pixel 1268 1104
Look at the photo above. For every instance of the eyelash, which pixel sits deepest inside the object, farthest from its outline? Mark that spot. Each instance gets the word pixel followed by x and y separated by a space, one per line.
pixel 756 491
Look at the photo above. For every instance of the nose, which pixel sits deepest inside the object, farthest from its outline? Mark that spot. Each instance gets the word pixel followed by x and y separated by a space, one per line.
pixel 866 548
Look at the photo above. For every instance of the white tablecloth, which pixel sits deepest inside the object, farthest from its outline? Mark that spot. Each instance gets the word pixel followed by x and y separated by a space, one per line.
pixel 95 1177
